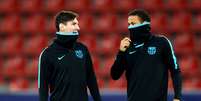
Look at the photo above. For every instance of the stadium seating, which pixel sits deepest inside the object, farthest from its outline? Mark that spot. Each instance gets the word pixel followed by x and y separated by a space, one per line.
pixel 77 5
pixel 125 5
pixel 53 6
pixel 180 22
pixel 8 6
pixel 104 71
pixel 195 5
pixel 109 44
pixel 86 23
pixel 118 84
pixel 14 67
pixel 197 23
pixel 30 6
pixel 122 25
pixel 190 84
pixel 34 45
pixel 176 5
pixel 27 26
pixel 102 6
pixel 33 24
pixel 159 23
pixel 50 25
pixel 10 24
pixel 18 84
pixel 105 23
pixel 184 43
pixel 197 45
pixel 31 68
pixel 152 5
pixel 12 46
pixel 189 66
pixel 89 40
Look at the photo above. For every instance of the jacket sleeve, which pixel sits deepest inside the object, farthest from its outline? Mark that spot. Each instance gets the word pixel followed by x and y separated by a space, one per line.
pixel 171 63
pixel 119 66
pixel 91 79
pixel 43 65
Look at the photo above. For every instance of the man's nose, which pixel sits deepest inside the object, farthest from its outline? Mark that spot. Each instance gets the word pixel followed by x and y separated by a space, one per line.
pixel 78 28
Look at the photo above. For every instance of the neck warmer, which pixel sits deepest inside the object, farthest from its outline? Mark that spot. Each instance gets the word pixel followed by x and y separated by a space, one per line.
pixel 139 33
pixel 66 39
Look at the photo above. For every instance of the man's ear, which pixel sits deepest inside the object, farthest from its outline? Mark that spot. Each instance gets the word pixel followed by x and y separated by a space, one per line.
pixel 62 27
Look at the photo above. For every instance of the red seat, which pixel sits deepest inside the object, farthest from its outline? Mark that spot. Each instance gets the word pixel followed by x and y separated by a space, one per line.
pixel 8 6
pixel 50 25
pixel 32 68
pixel 176 5
pixel 90 41
pixel 122 25
pixel 14 67
pixel 102 5
pixel 104 71
pixel 190 84
pixel 101 83
pixel 35 45
pixel 159 23
pixel 86 23
pixel 18 84
pixel 184 43
pixel 197 45
pixel 195 5
pixel 1 65
pixel 30 6
pixel 189 66
pixel 118 84
pixel 1 80
pixel 109 44
pixel 34 24
pixel 33 85
pixel 197 23
pixel 180 22
pixel 12 46
pixel 10 24
pixel 77 5
pixel 1 48
pixel 152 5
pixel 53 6
pixel 199 84
pixel 105 23
pixel 125 5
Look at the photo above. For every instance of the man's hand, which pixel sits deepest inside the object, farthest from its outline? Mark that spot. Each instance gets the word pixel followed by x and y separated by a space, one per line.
pixel 124 44
pixel 176 100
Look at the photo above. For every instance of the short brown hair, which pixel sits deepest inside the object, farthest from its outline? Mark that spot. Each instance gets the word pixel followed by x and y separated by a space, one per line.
pixel 140 13
pixel 63 17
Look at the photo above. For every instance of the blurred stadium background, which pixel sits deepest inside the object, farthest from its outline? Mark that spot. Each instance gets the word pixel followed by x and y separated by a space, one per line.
pixel 27 26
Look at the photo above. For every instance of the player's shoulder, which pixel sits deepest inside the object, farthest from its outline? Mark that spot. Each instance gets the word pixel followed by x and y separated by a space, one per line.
pixel 48 50
pixel 44 53
pixel 81 46
pixel 161 38
pixel 165 41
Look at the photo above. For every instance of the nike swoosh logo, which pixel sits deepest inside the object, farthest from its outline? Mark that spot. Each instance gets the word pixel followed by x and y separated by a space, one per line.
pixel 132 52
pixel 59 58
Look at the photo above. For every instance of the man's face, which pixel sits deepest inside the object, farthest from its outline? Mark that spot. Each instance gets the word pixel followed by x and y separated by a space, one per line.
pixel 134 19
pixel 70 26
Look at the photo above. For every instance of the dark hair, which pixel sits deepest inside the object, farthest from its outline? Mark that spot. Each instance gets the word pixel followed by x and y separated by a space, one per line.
pixel 63 17
pixel 140 13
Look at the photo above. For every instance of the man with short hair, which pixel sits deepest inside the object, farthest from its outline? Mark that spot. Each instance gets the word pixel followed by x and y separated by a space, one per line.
pixel 146 59
pixel 65 67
